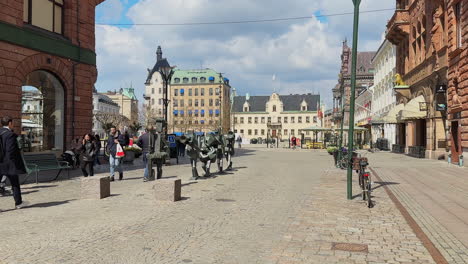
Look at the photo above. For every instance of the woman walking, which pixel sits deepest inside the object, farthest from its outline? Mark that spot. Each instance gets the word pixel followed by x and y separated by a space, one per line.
pixel 88 151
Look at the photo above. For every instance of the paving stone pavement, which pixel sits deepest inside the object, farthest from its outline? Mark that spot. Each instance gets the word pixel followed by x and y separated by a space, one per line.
pixel 276 206
pixel 435 194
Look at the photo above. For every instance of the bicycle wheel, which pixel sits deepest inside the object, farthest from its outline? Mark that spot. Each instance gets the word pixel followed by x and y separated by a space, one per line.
pixel 343 164
pixel 361 184
pixel 368 190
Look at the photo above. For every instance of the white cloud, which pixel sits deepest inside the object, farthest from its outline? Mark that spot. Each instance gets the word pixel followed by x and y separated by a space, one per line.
pixel 304 54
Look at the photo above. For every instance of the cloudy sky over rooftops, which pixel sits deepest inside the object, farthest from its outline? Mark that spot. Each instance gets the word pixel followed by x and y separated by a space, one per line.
pixel 304 54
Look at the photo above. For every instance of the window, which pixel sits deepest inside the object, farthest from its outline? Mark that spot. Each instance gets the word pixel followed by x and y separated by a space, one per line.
pixel 242 131
pixel 152 90
pixel 196 102
pixel 160 90
pixel 285 132
pixel 292 132
pixel 190 102
pixel 211 91
pixel 176 92
pixel 211 102
pixel 46 14
pixel 185 80
pixel 177 80
pixel 196 91
pixel 235 130
pixel 285 119
pixel 203 79
pixel 202 91
pixel 263 120
pixel 250 120
pixel 202 102
pixel 256 132
pixel 246 109
pixel 293 119
pixel 307 133
pixel 250 132
pixel 181 102
pixel 194 79
pixel 217 91
pixel 274 108
pixel 263 132
pixel 279 119
pixel 315 119
pixel 235 120
pixel 160 101
pixel 217 102
pixel 152 102
pixel 175 103
pixel 242 120
pixel 269 119
pixel 196 122
pixel 256 120
pixel 299 119
pixel 304 108
pixel 458 24
pixel 307 119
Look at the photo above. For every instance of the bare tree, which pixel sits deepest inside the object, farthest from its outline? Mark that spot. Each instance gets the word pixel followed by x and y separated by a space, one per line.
pixel 108 120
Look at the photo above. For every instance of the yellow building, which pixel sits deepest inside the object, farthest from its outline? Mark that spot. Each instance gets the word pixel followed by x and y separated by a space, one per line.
pixel 199 101
pixel 127 102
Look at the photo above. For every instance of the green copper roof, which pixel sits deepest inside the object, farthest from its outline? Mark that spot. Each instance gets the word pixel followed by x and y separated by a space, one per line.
pixel 130 93
pixel 209 75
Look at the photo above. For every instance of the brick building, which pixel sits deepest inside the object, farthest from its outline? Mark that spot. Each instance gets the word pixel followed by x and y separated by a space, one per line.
pixel 457 74
pixel 418 30
pixel 48 47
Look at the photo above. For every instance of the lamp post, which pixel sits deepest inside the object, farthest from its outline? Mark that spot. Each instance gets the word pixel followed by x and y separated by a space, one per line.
pixel 166 73
pixel 233 94
pixel 220 91
pixel 352 99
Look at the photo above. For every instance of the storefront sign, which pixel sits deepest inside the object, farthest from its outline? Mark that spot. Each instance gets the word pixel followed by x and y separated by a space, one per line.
pixel 441 88
pixel 441 107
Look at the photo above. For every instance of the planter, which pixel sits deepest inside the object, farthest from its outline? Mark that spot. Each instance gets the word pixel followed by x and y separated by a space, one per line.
pixel 129 157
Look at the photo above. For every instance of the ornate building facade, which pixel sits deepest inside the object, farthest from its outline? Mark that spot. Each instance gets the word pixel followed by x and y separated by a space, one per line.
pixel 154 87
pixel 418 30
pixel 49 47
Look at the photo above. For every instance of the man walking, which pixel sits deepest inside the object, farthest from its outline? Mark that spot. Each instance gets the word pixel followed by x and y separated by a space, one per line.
pixel 144 144
pixel 115 138
pixel 11 164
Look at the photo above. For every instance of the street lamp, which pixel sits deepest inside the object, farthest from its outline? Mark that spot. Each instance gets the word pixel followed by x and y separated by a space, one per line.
pixel 220 90
pixel 233 95
pixel 352 99
pixel 166 73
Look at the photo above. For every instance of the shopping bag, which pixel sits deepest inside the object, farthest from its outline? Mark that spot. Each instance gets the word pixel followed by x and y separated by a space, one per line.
pixel 120 152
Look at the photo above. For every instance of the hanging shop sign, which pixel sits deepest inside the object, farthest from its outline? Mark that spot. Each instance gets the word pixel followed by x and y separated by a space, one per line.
pixel 442 88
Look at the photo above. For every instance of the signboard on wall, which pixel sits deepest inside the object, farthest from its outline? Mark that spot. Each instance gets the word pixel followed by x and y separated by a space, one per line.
pixel 441 88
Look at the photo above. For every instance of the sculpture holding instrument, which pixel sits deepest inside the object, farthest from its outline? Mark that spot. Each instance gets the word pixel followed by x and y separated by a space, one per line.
pixel 193 151
pixel 219 145
pixel 208 152
pixel 229 140
pixel 158 150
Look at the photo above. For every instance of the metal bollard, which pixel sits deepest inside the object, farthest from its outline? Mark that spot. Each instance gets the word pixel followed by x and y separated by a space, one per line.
pixel 460 161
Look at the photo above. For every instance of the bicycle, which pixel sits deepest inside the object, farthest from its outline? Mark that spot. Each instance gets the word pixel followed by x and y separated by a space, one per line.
pixel 360 164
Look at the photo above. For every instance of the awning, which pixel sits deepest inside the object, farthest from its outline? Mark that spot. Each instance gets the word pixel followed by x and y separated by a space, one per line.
pixel 196 112
pixel 377 120
pixel 176 112
pixel 202 112
pixel 316 128
pixel 211 78
pixel 202 121
pixel 211 111
pixel 412 110
pixel 391 116
pixel 217 111
pixel 190 112
pixel 181 91
pixel 181 112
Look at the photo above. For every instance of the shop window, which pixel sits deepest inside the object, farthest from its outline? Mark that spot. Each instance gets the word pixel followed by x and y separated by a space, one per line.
pixel 46 14
pixel 42 126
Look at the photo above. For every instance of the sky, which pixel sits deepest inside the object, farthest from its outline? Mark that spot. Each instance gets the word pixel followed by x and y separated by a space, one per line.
pixel 303 54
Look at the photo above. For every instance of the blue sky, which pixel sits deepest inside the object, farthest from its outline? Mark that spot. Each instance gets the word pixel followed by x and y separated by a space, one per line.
pixel 304 54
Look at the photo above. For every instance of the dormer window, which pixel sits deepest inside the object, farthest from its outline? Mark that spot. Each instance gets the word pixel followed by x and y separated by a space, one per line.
pixel 246 107
pixel 46 14
pixel 185 80
pixel 274 108
pixel 177 80
pixel 202 79
pixel 194 80
pixel 304 108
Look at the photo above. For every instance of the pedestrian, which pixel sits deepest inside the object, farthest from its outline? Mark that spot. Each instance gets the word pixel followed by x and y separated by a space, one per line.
pixel 144 144
pixel 75 148
pixel 293 142
pixel 98 144
pixel 115 138
pixel 11 163
pixel 88 154
pixel 181 148
pixel 127 139
pixel 239 141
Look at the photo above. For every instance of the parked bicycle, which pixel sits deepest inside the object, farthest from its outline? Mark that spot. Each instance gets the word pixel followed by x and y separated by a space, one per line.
pixel 360 165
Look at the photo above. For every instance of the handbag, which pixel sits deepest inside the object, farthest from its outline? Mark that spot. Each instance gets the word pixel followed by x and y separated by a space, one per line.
pixel 120 152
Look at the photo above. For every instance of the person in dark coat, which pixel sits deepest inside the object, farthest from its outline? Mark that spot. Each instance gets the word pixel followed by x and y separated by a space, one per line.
pixel 12 164
pixel 88 155
pixel 115 137
pixel 144 144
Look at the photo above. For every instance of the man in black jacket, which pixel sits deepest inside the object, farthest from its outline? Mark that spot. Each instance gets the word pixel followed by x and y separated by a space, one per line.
pixel 12 163
pixel 144 144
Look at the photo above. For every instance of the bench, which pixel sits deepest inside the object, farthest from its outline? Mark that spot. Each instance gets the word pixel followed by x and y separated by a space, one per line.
pixel 44 162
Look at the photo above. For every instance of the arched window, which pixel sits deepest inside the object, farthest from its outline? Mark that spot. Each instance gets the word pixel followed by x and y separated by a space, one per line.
pixel 185 80
pixel 274 108
pixel 177 80
pixel 42 117
pixel 194 79
pixel 202 79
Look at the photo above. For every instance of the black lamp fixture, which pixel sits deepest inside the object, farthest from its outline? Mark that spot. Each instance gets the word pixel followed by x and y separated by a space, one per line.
pixel 166 72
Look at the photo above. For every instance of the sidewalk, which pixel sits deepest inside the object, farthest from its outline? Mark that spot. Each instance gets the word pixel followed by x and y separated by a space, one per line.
pixel 435 194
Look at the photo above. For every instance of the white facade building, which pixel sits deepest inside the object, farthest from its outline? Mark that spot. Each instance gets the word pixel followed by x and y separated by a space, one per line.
pixel 154 87
pixel 384 99
pixel 102 104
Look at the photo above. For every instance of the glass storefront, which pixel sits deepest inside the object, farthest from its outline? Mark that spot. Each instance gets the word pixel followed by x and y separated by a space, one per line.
pixel 42 121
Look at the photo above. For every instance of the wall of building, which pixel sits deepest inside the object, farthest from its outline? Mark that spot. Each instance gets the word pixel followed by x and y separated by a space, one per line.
pixel 154 95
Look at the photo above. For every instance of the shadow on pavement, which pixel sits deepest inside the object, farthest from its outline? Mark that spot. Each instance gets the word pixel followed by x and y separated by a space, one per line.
pixel 39 187
pixel 382 184
pixel 188 183
pixel 49 204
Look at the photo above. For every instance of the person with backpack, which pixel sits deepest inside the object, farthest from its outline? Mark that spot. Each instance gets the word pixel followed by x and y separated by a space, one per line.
pixel 114 140
pixel 11 162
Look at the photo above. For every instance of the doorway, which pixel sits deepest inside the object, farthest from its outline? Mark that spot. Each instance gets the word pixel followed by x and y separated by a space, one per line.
pixel 455 142
pixel 421 133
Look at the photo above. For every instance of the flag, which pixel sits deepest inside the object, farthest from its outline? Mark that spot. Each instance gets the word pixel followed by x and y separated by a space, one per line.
pixel 274 77
pixel 319 111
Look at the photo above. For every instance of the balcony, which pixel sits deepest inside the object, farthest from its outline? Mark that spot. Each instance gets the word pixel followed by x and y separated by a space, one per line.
pixel 398 27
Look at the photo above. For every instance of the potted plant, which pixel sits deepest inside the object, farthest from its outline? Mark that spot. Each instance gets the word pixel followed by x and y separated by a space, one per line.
pixel 131 153
pixel 331 149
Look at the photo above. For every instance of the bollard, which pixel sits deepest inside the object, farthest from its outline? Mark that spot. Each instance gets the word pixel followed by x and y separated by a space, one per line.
pixel 460 161
pixel 449 159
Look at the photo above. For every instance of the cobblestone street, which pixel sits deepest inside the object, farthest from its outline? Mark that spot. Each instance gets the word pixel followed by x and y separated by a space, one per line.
pixel 277 206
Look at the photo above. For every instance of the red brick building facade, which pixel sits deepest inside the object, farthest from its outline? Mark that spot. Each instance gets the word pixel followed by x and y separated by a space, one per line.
pixel 48 45
pixel 457 17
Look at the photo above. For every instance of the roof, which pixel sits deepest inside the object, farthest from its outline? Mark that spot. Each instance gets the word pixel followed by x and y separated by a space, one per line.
pixel 211 76
pixel 159 64
pixel 364 61
pixel 130 93
pixel 290 102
